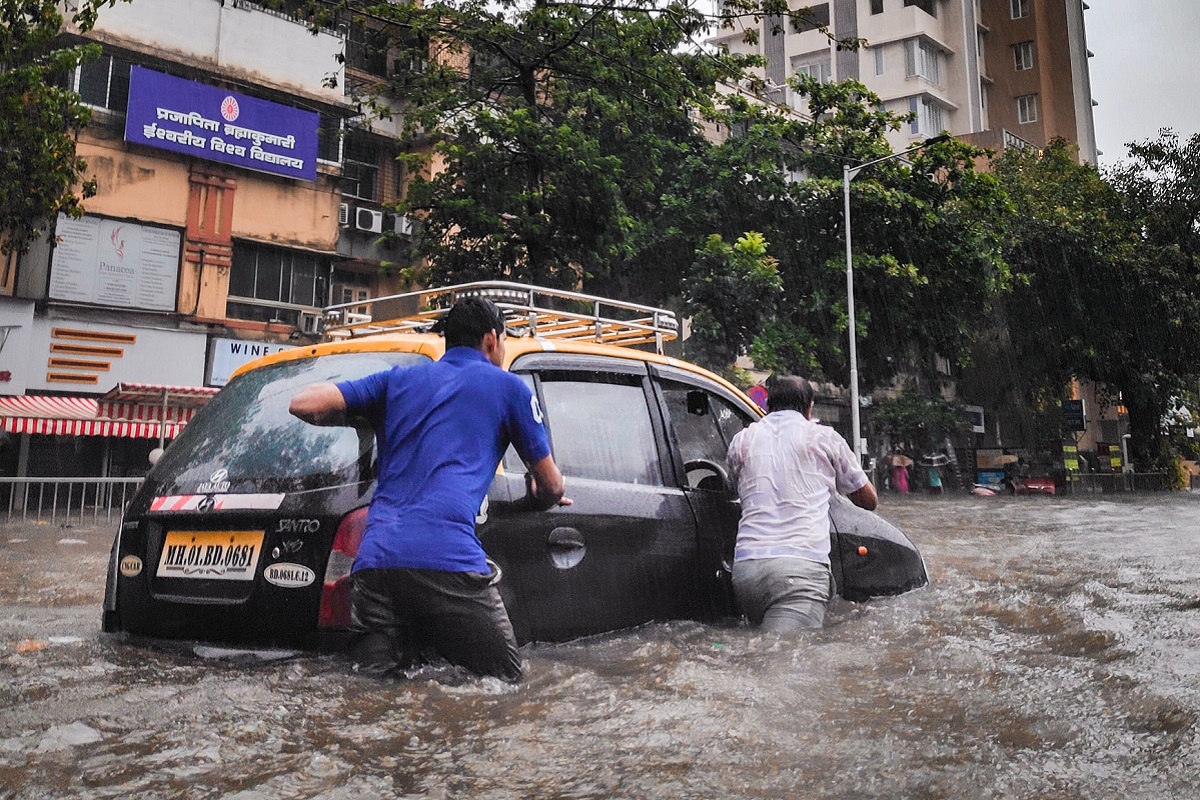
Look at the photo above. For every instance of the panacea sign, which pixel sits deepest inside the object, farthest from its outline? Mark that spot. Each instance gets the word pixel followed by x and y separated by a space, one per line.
pixel 219 125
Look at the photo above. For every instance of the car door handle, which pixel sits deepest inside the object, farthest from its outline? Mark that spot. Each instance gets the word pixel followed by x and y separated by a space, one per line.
pixel 566 547
pixel 565 539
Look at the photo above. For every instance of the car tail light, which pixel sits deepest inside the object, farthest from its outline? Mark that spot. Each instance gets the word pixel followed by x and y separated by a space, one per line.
pixel 335 594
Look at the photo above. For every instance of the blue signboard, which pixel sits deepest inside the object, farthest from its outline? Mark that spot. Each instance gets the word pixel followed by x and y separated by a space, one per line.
pixel 219 125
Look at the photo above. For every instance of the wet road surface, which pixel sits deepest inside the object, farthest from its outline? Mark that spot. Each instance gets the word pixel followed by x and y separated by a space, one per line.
pixel 1056 654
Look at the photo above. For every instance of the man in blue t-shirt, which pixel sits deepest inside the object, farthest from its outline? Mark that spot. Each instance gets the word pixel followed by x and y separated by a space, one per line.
pixel 421 577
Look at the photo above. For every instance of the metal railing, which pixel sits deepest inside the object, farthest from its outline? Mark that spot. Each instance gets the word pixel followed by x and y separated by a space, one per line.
pixel 1113 482
pixel 65 500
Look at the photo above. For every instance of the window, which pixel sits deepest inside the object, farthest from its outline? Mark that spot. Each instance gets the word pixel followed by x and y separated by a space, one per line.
pixel 329 139
pixel 103 82
pixel 367 50
pixel 817 17
pixel 411 56
pixel 269 284
pixel 1027 110
pixel 876 6
pixel 1023 55
pixel 249 426
pixel 821 70
pixel 600 427
pixel 1019 8
pixel 703 423
pixel 878 50
pixel 352 287
pixel 928 120
pixel 923 60
pixel 360 166
pixel 928 6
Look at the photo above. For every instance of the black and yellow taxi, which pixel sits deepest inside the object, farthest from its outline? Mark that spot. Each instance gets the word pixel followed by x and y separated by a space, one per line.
pixel 245 531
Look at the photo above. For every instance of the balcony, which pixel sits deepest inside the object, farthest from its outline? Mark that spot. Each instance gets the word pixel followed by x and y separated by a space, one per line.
pixel 238 39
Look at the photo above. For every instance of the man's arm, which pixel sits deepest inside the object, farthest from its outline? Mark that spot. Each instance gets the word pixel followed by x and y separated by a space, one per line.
pixel 546 484
pixel 320 404
pixel 866 497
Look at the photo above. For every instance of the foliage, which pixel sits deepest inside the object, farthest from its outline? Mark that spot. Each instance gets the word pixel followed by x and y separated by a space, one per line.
pixel 41 174
pixel 926 236
pixel 1107 285
pixel 728 293
pixel 1178 477
pixel 917 422
pixel 556 130
pixel 569 151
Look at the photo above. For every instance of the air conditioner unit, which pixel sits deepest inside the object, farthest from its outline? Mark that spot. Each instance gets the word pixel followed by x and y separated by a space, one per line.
pixel 311 323
pixel 404 224
pixel 344 215
pixel 366 219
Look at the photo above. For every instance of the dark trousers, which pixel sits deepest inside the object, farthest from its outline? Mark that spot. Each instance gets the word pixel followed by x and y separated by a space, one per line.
pixel 396 614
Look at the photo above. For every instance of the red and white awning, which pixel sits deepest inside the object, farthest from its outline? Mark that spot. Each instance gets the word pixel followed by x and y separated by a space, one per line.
pixel 158 394
pixel 86 427
pixel 137 411
pixel 147 402
pixel 36 406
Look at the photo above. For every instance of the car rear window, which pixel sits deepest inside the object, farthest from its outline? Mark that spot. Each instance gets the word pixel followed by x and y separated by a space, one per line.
pixel 247 431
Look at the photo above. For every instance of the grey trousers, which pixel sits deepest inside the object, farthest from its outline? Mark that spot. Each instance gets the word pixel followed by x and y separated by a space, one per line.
pixel 783 595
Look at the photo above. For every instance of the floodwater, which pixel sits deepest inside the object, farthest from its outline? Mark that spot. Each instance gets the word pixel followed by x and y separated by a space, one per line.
pixel 1056 654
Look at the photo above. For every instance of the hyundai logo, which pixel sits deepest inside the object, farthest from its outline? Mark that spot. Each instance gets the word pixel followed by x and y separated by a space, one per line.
pixel 219 475
pixel 206 503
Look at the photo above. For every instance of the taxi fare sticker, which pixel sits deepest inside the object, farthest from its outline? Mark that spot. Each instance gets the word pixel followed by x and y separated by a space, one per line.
pixel 213 555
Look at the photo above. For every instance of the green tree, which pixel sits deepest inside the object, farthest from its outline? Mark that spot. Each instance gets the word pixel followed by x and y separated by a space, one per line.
pixel 1108 284
pixel 39 120
pixel 927 254
pixel 729 292
pixel 916 422
pixel 569 142
pixel 566 136
pixel 555 128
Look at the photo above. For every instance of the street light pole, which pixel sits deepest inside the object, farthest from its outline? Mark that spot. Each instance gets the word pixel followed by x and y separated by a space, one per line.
pixel 848 174
pixel 855 430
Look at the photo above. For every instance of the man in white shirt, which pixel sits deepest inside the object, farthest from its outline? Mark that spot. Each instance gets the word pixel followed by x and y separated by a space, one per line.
pixel 787 469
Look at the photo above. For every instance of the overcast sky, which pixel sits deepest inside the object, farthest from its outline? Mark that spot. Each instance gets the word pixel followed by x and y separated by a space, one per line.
pixel 1146 70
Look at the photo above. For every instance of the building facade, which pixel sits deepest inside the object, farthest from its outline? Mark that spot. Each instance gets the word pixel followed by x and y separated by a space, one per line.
pixel 238 194
pixel 995 73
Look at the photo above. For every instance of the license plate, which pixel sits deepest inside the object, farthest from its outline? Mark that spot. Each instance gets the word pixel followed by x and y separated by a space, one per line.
pixel 214 555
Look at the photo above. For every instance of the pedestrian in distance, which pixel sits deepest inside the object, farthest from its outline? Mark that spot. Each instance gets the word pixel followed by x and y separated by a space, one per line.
pixel 787 468
pixel 421 578
pixel 900 465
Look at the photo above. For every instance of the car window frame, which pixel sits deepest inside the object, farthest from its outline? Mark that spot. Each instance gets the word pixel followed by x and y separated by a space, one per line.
pixel 660 373
pixel 536 364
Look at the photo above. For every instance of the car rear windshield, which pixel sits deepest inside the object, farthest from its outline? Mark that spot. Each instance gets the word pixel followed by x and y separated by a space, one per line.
pixel 247 432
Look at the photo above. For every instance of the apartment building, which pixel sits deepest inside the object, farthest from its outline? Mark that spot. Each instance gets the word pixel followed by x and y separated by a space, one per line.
pixel 237 195
pixel 996 73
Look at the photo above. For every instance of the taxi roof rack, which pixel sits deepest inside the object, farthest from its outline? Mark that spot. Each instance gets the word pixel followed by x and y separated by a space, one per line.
pixel 528 310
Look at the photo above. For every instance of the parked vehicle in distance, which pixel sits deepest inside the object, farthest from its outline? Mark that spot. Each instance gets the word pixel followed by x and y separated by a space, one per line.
pixel 245 530
pixel 1032 485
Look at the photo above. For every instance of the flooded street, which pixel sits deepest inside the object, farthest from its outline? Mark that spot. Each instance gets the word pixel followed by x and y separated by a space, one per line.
pixel 1056 654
